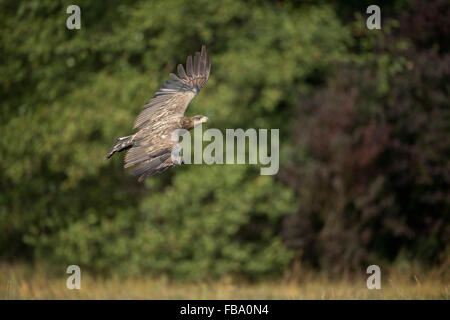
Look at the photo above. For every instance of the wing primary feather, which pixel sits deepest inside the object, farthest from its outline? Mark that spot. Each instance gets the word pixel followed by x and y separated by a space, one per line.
pixel 181 72
pixel 208 65
pixel 197 64
pixel 203 60
pixel 174 77
pixel 189 67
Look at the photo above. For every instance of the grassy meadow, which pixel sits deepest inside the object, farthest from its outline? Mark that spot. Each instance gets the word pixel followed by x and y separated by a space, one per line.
pixel 20 282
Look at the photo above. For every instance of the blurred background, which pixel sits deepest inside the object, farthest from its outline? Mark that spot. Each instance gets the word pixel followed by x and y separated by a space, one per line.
pixel 364 121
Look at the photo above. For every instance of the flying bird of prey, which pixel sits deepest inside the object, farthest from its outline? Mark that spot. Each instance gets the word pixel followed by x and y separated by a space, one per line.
pixel 150 149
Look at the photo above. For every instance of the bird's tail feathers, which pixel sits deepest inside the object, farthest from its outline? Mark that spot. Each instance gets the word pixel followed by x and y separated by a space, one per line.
pixel 122 143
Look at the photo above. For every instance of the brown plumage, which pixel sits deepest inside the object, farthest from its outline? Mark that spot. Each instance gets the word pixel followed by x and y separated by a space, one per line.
pixel 151 149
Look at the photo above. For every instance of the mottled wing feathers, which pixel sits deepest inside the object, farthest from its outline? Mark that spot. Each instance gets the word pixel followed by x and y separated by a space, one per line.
pixel 174 96
pixel 164 107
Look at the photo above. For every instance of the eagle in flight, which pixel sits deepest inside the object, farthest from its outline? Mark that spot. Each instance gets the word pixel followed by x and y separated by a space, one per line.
pixel 152 149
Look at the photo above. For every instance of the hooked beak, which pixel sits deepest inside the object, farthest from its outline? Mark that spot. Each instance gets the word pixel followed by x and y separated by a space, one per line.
pixel 204 119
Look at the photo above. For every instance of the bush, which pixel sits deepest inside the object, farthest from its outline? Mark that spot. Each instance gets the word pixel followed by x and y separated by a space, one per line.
pixel 373 176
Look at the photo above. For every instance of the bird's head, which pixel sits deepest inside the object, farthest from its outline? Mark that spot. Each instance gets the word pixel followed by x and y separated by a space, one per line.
pixel 199 119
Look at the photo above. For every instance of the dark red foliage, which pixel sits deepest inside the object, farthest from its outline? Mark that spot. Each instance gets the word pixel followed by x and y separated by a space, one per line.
pixel 373 172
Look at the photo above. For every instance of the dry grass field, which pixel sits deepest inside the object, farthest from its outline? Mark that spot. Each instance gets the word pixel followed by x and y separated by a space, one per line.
pixel 19 282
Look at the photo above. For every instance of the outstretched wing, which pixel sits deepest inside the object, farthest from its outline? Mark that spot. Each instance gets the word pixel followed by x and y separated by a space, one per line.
pixel 173 98
pixel 153 145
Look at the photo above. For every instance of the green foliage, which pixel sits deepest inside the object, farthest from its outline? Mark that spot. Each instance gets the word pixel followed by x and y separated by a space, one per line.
pixel 223 225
